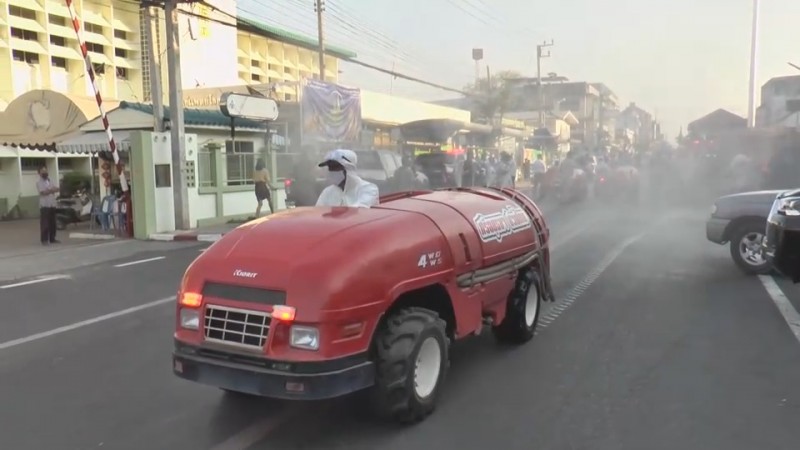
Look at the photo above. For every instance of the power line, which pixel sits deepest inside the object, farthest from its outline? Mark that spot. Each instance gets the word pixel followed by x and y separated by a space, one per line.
pixel 350 60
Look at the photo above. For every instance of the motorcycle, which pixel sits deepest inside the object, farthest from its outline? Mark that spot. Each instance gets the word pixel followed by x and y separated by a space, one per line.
pixel 74 210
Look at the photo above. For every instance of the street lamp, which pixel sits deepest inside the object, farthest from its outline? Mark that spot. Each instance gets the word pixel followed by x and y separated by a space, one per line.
pixel 751 109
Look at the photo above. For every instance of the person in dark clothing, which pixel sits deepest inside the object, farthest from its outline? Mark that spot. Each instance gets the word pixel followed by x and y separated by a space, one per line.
pixel 47 207
pixel 261 180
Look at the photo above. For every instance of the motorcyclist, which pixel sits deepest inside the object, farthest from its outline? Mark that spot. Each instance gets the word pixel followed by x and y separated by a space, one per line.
pixel 346 188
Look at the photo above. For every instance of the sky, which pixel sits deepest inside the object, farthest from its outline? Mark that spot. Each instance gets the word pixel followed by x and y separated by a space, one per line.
pixel 679 59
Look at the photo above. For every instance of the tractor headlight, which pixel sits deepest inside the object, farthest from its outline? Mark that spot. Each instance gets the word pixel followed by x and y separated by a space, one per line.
pixel 190 318
pixel 306 338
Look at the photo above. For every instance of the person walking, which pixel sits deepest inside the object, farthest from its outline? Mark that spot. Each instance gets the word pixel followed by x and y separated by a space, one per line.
pixel 47 207
pixel 261 180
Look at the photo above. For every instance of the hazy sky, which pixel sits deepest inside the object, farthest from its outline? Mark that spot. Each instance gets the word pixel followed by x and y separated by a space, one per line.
pixel 680 59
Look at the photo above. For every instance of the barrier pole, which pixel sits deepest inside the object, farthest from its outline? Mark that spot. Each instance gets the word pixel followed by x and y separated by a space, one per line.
pixel 76 24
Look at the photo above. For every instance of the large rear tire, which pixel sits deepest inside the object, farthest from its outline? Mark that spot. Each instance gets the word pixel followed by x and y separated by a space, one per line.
pixel 522 315
pixel 412 359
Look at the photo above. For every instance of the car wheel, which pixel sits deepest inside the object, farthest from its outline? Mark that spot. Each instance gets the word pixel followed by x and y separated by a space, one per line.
pixel 746 250
pixel 412 358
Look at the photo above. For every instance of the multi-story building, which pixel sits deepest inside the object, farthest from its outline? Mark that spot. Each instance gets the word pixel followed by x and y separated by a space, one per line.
pixel 780 103
pixel 39 48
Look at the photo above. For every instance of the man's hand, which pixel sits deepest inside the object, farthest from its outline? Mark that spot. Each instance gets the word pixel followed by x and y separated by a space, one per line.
pixel 54 189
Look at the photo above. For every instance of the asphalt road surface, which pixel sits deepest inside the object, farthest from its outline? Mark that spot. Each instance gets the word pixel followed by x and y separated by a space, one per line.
pixel 657 342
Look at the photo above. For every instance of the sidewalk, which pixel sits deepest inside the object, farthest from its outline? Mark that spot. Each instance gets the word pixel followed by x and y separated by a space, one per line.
pixel 21 237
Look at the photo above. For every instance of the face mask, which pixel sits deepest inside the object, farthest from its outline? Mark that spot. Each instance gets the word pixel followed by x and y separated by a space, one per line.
pixel 335 178
pixel 45 175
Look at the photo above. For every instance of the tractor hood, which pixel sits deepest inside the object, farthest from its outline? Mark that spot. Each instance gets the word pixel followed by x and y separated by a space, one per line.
pixel 291 236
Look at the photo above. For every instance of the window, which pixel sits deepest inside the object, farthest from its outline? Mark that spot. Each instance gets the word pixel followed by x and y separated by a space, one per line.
pixel 92 28
pixel 255 63
pixel 24 34
pixel 58 40
pixel 369 160
pixel 122 73
pixel 256 77
pixel 207 167
pixel 99 69
pixel 119 34
pixel 26 57
pixel 121 52
pixel 97 48
pixel 57 20
pixel 240 160
pixel 25 13
pixel 32 164
pixel 58 62
pixel 163 175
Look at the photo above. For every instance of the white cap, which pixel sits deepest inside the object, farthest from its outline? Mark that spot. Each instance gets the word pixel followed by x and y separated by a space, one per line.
pixel 347 158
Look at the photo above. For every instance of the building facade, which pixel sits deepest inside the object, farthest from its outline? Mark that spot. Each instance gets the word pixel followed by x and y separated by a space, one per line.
pixel 39 54
pixel 780 103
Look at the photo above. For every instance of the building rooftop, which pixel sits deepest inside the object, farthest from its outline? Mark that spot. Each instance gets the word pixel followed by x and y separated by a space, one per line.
pixel 256 27
pixel 197 117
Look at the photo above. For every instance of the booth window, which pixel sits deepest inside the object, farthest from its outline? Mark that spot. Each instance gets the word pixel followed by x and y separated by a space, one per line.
pixel 240 160
pixel 163 175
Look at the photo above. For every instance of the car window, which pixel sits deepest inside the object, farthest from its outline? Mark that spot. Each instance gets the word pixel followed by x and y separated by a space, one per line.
pixel 369 160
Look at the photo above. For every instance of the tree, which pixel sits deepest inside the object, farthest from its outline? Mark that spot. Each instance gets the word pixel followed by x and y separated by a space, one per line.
pixel 491 97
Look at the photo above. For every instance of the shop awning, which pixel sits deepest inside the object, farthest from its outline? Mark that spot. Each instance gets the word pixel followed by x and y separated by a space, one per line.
pixel 94 142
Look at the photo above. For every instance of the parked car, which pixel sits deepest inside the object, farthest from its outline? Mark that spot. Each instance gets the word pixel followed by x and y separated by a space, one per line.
pixel 741 220
pixel 782 240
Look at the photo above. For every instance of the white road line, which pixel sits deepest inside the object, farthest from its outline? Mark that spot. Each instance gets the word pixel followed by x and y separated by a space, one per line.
pixel 790 315
pixel 141 261
pixel 34 281
pixel 84 323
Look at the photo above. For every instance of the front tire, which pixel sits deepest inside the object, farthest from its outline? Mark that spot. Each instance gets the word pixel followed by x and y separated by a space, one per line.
pixel 746 251
pixel 522 314
pixel 412 359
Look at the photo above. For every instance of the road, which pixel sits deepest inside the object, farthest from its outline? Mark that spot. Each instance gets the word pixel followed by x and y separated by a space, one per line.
pixel 656 342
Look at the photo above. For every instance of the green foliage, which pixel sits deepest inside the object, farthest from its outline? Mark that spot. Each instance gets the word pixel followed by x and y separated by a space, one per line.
pixel 71 182
pixel 491 96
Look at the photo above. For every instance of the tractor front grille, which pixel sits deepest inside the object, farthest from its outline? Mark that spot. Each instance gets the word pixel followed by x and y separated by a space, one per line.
pixel 238 327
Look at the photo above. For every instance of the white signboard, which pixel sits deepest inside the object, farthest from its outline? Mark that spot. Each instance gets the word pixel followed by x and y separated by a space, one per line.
pixel 248 107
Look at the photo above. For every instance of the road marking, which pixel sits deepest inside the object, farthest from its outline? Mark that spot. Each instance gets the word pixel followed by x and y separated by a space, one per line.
pixel 141 261
pixel 84 323
pixel 251 435
pixel 36 280
pixel 556 310
pixel 790 315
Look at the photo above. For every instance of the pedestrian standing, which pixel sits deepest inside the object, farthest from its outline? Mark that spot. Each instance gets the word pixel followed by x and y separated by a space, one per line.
pixel 262 182
pixel 47 207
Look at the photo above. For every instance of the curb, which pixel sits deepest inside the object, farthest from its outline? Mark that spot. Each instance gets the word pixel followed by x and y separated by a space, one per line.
pixel 185 237
pixel 100 237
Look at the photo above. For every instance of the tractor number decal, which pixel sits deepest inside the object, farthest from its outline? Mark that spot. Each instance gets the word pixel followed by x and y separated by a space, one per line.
pixel 431 259
pixel 496 226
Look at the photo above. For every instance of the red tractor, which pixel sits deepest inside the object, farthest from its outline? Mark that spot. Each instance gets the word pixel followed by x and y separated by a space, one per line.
pixel 315 303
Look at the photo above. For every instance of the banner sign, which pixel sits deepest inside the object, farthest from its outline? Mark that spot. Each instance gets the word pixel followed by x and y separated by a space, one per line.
pixel 330 113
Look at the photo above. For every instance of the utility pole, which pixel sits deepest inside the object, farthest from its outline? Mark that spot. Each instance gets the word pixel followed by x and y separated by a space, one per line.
pixel 539 55
pixel 177 128
pixel 319 7
pixel 156 94
pixel 751 107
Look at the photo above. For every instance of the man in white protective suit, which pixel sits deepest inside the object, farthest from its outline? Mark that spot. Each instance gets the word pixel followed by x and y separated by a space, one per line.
pixel 345 187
